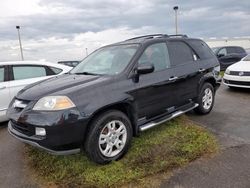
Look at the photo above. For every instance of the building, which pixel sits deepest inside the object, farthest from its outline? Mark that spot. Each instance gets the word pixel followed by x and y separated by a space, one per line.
pixel 225 41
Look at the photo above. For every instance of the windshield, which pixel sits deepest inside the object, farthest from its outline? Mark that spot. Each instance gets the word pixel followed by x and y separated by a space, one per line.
pixel 247 58
pixel 109 60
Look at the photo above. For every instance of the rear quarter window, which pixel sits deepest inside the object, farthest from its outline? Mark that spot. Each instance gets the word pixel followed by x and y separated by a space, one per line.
pixel 202 49
pixel 55 70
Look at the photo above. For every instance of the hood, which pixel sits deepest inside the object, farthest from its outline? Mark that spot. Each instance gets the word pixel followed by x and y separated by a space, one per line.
pixel 240 66
pixel 56 85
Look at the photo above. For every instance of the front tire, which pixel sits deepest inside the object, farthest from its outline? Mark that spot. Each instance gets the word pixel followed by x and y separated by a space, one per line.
pixel 109 137
pixel 205 99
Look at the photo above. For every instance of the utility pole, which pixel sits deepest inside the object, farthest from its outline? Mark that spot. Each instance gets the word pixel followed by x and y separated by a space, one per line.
pixel 86 52
pixel 176 20
pixel 20 43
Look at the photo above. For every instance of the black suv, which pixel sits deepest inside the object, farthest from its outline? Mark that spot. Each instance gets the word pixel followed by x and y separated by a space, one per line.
pixel 228 55
pixel 115 93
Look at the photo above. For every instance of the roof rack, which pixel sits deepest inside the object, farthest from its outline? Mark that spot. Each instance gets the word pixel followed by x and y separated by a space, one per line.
pixel 179 35
pixel 148 36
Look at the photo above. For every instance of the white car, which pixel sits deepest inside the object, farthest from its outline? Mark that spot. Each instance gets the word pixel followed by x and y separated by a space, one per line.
pixel 15 75
pixel 238 74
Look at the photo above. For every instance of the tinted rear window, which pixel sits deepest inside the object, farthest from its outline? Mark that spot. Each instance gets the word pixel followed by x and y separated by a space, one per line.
pixel 179 53
pixel 202 49
pixel 55 70
pixel 231 50
pixel 240 50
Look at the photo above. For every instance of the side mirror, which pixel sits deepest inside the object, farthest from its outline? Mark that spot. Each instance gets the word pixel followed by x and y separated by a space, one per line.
pixel 220 55
pixel 145 68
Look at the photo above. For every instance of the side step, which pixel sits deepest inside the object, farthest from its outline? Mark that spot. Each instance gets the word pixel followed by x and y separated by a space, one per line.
pixel 166 118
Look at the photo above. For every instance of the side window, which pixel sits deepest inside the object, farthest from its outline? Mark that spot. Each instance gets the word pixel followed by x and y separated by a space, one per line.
pixel 222 52
pixel 156 54
pixel 27 71
pixel 180 53
pixel 1 74
pixel 231 50
pixel 202 49
pixel 55 70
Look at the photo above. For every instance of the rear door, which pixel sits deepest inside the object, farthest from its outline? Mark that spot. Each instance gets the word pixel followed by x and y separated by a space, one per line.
pixel 4 90
pixel 186 71
pixel 22 75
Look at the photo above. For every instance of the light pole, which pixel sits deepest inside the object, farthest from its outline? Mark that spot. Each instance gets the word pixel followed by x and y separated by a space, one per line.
pixel 176 24
pixel 86 51
pixel 20 43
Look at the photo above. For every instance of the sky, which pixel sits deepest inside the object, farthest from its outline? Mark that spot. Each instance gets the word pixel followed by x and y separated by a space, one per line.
pixel 55 30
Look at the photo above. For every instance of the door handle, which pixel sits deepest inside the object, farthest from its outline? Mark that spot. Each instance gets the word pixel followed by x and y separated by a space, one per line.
pixel 202 70
pixel 173 78
pixel 3 87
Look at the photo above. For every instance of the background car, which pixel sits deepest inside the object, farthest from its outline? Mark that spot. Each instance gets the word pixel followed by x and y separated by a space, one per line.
pixel 238 74
pixel 15 75
pixel 228 55
pixel 69 63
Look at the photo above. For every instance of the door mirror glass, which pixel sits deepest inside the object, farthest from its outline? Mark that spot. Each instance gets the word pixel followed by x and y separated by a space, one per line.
pixel 220 55
pixel 145 68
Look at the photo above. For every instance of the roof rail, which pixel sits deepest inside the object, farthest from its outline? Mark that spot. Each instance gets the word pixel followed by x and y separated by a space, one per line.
pixel 149 36
pixel 179 35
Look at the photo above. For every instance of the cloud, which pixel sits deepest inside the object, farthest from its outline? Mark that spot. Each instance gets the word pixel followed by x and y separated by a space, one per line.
pixel 67 49
pixel 50 27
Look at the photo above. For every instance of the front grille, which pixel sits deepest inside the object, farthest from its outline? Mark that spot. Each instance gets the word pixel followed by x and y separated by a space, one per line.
pixel 239 73
pixel 26 129
pixel 237 82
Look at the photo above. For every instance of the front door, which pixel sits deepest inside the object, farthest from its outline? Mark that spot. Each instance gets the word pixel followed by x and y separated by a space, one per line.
pixel 154 93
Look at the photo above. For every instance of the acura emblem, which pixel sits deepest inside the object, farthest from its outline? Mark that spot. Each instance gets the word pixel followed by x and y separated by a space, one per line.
pixel 241 73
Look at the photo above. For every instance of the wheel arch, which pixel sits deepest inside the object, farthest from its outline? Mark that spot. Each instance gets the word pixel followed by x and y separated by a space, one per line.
pixel 127 108
pixel 208 79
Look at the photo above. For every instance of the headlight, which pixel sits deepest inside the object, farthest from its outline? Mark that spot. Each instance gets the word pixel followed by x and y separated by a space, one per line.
pixel 227 71
pixel 216 70
pixel 51 103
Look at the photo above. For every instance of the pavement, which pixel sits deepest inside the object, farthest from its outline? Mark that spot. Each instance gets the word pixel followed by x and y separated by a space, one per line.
pixel 229 121
pixel 13 170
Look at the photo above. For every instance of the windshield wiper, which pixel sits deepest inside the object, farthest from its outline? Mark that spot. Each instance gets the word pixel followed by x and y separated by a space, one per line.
pixel 87 73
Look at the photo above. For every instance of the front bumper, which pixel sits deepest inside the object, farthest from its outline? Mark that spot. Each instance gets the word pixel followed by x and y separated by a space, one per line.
pixel 236 81
pixel 31 141
pixel 65 129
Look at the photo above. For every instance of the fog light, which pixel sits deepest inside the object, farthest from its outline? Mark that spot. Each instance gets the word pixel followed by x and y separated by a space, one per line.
pixel 40 131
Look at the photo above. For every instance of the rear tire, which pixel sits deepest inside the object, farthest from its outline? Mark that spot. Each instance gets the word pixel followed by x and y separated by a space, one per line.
pixel 109 137
pixel 205 99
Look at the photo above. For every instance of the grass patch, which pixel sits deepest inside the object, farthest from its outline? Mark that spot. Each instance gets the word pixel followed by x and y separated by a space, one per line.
pixel 161 149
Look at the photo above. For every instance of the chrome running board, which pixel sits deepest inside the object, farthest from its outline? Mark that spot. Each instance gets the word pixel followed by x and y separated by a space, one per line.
pixel 163 120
